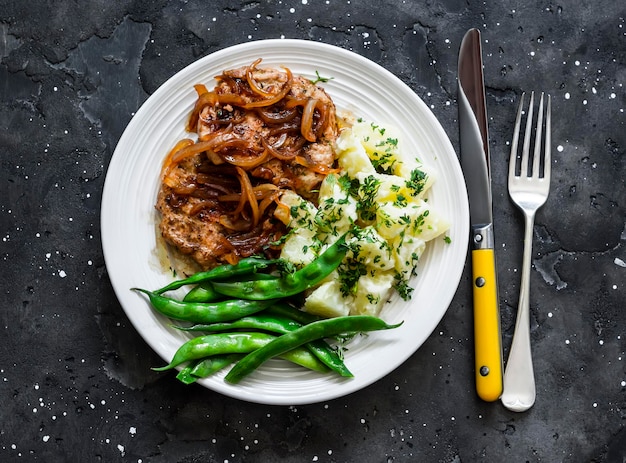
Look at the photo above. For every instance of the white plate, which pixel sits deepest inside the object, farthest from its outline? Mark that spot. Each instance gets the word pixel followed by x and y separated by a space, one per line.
pixel 357 85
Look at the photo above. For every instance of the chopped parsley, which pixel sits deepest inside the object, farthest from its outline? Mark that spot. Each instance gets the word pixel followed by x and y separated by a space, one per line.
pixel 349 273
pixel 319 78
pixel 402 286
pixel 417 181
pixel 367 205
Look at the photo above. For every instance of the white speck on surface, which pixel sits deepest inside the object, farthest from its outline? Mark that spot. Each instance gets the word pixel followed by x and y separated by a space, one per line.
pixel 559 148
pixel 120 447
pixel 132 430
pixel 567 96
pixel 619 262
pixel 62 273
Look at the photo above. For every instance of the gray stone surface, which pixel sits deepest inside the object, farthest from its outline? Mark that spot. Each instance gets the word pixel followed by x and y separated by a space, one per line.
pixel 76 383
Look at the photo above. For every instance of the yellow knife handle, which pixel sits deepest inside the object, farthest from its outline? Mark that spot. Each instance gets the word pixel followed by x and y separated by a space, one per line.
pixel 487 336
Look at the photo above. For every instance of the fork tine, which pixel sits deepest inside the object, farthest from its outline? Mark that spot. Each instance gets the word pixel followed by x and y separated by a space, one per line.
pixel 535 169
pixel 547 162
pixel 526 147
pixel 515 141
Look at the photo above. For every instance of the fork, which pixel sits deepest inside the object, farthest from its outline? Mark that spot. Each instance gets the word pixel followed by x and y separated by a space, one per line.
pixel 529 185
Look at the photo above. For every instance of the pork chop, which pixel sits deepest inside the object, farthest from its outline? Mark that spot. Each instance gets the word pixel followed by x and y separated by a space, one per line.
pixel 217 205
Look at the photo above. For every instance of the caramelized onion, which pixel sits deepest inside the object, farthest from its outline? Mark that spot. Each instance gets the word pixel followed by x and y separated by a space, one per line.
pixel 295 102
pixel 248 162
pixel 204 98
pixel 307 120
pixel 320 169
pixel 266 202
pixel 254 86
pixel 233 84
pixel 286 155
pixel 251 240
pixel 289 128
pixel 246 190
pixel 200 206
pixel 233 143
pixel 222 122
pixel 260 192
pixel 235 225
pixel 215 182
pixel 232 99
pixel 184 190
pixel 280 142
pixel 195 148
pixel 277 117
pixel 322 121
pixel 276 98
pixel 264 189
pixel 168 163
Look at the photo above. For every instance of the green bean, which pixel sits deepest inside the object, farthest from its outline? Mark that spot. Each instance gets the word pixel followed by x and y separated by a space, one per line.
pixel 210 365
pixel 260 321
pixel 203 292
pixel 243 267
pixel 239 343
pixel 198 312
pixel 185 376
pixel 316 330
pixel 203 368
pixel 281 325
pixel 283 309
pixel 292 283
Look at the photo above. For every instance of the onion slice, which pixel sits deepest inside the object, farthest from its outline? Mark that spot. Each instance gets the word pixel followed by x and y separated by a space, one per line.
pixel 306 127
pixel 168 163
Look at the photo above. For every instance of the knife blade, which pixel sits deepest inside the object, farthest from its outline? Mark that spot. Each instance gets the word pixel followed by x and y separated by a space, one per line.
pixel 475 162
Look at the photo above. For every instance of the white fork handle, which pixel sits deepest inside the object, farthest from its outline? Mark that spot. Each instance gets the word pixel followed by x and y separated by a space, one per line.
pixel 519 380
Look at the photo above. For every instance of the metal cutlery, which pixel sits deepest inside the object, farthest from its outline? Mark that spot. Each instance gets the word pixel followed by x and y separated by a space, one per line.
pixel 475 163
pixel 529 186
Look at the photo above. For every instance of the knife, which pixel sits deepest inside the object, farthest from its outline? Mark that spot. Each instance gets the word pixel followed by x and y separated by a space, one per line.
pixel 474 141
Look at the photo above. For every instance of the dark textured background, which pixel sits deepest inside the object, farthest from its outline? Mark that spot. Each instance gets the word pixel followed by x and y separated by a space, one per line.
pixel 75 379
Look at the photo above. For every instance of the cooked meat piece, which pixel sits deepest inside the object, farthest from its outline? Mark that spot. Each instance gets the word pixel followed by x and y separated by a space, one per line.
pixel 217 206
pixel 250 126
